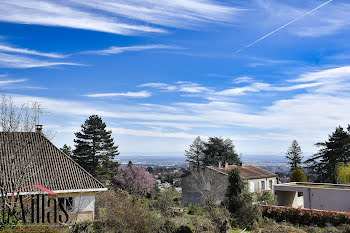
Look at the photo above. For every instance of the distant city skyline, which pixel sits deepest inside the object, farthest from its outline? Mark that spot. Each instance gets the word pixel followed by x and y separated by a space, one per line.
pixel 161 73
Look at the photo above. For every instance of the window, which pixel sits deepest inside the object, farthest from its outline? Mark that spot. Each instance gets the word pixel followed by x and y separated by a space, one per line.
pixel 67 203
pixel 251 186
pixel 270 184
pixel 262 185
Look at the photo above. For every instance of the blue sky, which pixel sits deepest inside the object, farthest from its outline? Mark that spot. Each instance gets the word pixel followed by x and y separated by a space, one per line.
pixel 162 72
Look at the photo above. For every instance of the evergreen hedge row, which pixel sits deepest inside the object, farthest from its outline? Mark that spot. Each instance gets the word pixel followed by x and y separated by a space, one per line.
pixel 306 216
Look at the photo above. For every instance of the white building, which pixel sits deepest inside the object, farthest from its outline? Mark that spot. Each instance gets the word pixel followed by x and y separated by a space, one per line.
pixel 319 196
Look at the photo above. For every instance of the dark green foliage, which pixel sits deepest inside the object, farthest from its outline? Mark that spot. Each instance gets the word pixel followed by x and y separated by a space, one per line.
pixel 323 165
pixel 294 155
pixel 183 229
pixel 195 154
pixel 95 149
pixel 219 150
pixel 298 176
pixel 67 150
pixel 239 202
pixel 214 151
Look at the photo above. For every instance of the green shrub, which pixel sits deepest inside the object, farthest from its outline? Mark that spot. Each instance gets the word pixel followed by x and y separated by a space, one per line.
pixel 83 227
pixel 195 209
pixel 298 176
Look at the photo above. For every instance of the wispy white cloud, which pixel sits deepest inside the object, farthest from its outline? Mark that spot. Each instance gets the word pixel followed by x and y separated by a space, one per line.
pixel 60 14
pixel 117 50
pixel 5 82
pixel 19 61
pixel 10 49
pixel 182 14
pixel 89 15
pixel 180 86
pixel 243 79
pixel 139 94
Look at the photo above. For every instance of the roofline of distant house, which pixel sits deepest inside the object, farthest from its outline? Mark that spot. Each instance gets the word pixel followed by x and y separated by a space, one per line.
pixel 248 178
pixel 67 191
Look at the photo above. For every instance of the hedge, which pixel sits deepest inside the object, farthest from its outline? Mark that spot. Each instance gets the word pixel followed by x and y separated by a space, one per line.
pixel 306 216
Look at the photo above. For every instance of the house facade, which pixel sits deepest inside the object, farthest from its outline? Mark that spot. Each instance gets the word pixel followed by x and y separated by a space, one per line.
pixel 212 182
pixel 45 184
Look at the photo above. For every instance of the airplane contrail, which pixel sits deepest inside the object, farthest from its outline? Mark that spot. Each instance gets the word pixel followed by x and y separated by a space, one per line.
pixel 260 39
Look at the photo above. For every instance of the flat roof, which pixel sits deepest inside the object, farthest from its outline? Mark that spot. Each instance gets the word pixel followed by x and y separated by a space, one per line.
pixel 299 186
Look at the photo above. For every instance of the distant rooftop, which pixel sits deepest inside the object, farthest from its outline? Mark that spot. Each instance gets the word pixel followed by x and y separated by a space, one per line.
pixel 247 171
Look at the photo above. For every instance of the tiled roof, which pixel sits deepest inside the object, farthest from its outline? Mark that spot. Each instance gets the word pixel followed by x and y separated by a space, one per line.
pixel 28 158
pixel 247 171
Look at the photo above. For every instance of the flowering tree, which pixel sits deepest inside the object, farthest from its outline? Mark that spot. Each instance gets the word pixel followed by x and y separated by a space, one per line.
pixel 134 179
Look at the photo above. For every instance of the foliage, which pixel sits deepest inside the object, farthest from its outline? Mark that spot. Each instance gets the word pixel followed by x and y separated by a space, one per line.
pixel 134 179
pixel 218 150
pixel 67 150
pixel 195 154
pixel 195 209
pixel 83 227
pixel 279 229
pixel 306 217
pixel 298 176
pixel 122 213
pixel 294 155
pixel 165 201
pixel 183 229
pixel 239 202
pixel 323 165
pixel 95 149
pixel 266 198
pixel 343 172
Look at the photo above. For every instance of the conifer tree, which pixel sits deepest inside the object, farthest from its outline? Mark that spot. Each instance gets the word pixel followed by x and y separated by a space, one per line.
pixel 294 155
pixel 334 151
pixel 95 149
pixel 195 154
pixel 239 202
pixel 67 150
pixel 218 150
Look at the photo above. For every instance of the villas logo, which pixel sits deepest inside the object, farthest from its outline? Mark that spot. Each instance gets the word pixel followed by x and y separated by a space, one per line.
pixel 34 208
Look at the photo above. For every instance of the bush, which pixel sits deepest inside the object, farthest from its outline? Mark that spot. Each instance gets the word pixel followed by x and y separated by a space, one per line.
pixel 266 198
pixel 298 176
pixel 121 212
pixel 83 227
pixel 279 229
pixel 195 209
pixel 306 217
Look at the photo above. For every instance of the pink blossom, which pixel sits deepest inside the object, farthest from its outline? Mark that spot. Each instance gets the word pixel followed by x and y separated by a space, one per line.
pixel 134 179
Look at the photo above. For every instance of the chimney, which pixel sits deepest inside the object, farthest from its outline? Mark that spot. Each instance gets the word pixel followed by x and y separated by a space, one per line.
pixel 39 128
pixel 219 164
pixel 226 164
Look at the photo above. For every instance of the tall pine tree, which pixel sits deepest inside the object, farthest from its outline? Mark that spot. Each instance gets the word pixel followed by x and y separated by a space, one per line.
pixel 294 155
pixel 95 149
pixel 195 154
pixel 218 150
pixel 336 150
pixel 67 150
